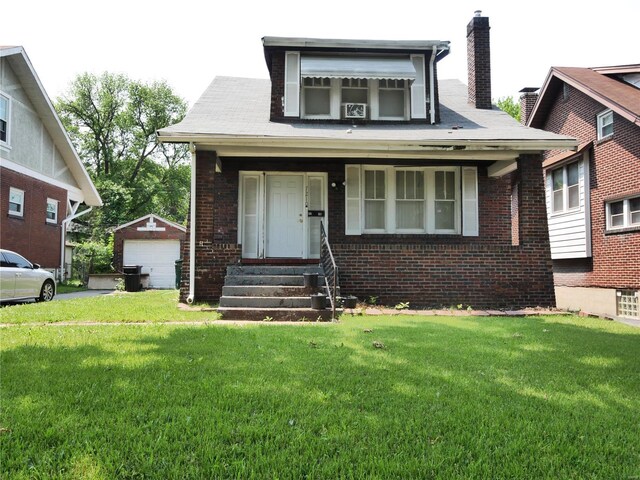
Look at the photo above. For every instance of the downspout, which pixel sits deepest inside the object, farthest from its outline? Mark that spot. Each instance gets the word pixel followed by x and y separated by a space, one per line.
pixel 432 87
pixel 63 237
pixel 192 225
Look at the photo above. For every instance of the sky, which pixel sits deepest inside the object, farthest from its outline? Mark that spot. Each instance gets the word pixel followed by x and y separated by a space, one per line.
pixel 189 42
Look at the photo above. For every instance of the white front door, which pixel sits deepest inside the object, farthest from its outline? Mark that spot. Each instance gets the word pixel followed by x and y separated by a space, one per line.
pixel 285 216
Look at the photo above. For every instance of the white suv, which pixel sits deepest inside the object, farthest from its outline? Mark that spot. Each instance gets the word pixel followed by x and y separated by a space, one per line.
pixel 22 280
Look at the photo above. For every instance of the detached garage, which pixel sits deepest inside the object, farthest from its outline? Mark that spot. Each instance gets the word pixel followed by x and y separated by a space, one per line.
pixel 152 242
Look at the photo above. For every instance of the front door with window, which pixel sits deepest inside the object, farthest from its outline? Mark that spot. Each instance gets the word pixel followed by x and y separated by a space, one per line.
pixel 280 214
pixel 285 216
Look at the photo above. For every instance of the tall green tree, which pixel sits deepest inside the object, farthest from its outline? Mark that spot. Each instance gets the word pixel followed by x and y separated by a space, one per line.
pixel 510 106
pixel 112 121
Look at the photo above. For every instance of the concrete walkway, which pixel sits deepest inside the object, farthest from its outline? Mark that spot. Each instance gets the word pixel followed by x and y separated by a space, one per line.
pixel 82 294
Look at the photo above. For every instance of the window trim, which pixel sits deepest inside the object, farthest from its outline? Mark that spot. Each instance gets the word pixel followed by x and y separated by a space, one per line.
pixel 12 191
pixel 626 214
pixel 7 143
pixel 601 125
pixel 565 188
pixel 53 220
pixel 429 201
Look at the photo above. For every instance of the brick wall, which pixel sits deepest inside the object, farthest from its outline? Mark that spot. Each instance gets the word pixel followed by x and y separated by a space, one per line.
pixel 430 270
pixel 614 172
pixel 132 233
pixel 31 235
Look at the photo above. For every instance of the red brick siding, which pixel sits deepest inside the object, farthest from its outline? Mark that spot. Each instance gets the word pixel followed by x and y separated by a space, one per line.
pixel 131 233
pixel 31 235
pixel 484 271
pixel 614 172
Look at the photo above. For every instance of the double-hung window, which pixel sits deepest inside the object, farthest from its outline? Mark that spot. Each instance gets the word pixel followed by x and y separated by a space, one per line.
pixel 411 200
pixel 16 202
pixel 52 211
pixel 4 119
pixel 565 185
pixel 316 97
pixel 605 124
pixel 375 200
pixel 623 213
pixel 391 99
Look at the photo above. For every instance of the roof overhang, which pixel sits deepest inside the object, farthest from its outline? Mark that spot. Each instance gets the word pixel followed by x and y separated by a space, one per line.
pixel 357 67
pixel 248 146
pixel 29 80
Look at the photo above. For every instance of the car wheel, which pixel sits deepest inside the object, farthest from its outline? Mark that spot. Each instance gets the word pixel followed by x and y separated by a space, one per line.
pixel 47 292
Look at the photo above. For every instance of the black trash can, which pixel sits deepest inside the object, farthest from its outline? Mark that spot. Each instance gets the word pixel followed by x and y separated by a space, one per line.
pixel 178 272
pixel 132 281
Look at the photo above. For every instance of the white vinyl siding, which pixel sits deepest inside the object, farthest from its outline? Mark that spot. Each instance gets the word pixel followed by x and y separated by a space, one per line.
pixel 569 229
pixel 386 199
pixel 292 84
pixel 418 93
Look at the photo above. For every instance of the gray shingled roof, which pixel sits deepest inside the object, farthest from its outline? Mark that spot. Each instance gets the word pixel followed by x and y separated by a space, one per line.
pixel 239 107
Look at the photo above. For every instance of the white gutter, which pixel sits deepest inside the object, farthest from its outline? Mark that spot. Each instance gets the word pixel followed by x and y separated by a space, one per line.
pixel 432 87
pixel 63 236
pixel 192 227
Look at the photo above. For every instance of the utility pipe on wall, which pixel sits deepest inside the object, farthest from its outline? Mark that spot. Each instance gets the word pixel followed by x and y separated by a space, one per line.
pixel 432 88
pixel 192 227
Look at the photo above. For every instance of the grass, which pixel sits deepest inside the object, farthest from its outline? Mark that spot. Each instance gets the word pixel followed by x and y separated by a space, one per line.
pixel 146 306
pixel 70 286
pixel 446 397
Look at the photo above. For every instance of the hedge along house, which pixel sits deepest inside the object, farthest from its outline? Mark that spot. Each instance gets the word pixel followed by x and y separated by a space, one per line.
pixel 427 193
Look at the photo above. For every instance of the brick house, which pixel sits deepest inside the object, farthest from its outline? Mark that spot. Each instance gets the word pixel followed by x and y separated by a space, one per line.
pixel 593 194
pixel 413 178
pixel 153 243
pixel 43 181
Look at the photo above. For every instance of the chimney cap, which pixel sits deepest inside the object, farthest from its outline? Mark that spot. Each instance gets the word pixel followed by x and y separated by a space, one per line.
pixel 477 13
pixel 529 89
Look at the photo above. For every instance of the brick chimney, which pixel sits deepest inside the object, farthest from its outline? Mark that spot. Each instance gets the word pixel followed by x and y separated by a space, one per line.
pixel 479 61
pixel 528 100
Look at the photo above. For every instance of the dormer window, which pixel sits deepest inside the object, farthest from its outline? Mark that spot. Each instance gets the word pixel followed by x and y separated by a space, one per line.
pixel 367 87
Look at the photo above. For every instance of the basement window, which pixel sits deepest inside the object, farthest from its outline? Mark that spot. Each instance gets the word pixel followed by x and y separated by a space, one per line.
pixel 628 303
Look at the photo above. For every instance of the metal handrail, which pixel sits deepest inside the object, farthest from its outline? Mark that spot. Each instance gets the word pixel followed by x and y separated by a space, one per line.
pixel 329 268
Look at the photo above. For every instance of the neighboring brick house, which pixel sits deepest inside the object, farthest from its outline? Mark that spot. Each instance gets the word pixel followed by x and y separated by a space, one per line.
pixel 43 181
pixel 593 194
pixel 153 243
pixel 412 177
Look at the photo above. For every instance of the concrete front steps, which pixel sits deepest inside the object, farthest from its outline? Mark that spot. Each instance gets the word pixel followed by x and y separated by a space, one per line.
pixel 271 292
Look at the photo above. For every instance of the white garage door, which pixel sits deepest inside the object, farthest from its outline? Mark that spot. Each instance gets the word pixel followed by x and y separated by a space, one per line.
pixel 157 258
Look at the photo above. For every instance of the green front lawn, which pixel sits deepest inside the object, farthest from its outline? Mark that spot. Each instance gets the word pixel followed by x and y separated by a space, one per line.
pixel 444 397
pixel 146 306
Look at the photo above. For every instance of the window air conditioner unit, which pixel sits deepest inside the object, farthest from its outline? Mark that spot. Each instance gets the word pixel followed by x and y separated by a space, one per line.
pixel 354 110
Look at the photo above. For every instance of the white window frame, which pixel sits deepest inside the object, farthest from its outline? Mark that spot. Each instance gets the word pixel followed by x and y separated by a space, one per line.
pixel 16 191
pixel 626 214
pixel 401 200
pixel 51 201
pixel 602 118
pixel 565 189
pixel 385 201
pixel 332 87
pixel 7 142
pixel 394 87
pixel 390 201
